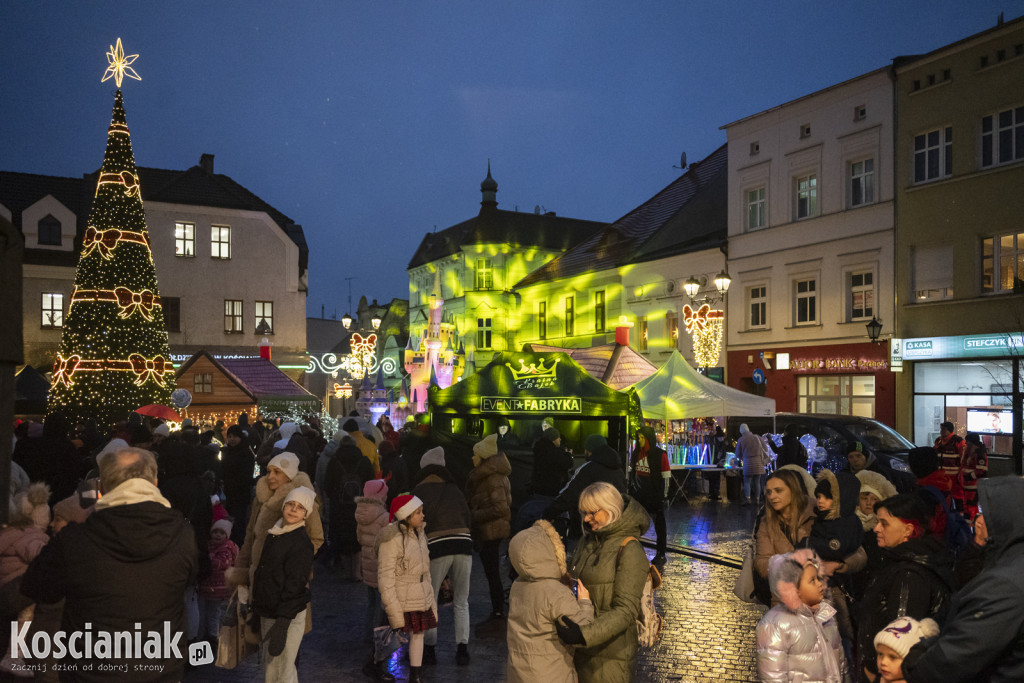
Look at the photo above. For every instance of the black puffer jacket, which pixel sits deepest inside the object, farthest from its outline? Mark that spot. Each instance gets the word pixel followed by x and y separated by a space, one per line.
pixel 281 584
pixel 983 638
pixel 237 465
pixel 837 533
pixel 603 465
pixel 551 465
pixel 446 512
pixel 914 580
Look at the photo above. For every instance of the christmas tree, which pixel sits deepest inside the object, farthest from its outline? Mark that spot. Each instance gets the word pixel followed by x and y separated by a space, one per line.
pixel 114 355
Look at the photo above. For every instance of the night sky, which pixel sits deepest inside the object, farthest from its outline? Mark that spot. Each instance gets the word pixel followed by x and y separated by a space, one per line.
pixel 370 123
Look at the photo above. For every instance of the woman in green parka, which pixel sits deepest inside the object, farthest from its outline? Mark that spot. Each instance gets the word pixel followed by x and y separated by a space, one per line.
pixel 615 573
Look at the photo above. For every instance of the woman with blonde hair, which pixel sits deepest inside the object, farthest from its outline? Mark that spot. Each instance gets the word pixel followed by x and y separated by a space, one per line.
pixel 610 561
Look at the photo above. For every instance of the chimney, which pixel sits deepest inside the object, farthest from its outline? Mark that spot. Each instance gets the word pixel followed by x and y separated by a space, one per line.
pixel 206 163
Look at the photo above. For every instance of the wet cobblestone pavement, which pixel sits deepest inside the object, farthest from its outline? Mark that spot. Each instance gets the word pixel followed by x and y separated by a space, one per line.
pixel 708 635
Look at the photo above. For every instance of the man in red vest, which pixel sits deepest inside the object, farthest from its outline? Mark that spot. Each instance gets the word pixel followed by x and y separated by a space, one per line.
pixel 950 448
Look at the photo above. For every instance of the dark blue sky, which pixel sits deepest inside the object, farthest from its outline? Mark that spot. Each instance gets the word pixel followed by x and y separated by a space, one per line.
pixel 371 122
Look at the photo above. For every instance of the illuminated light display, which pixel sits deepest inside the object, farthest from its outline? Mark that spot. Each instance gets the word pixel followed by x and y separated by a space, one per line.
pixel 342 390
pixel 113 359
pixel 119 65
pixel 705 326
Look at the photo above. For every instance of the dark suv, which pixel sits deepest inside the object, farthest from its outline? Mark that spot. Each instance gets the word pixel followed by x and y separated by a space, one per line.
pixel 833 433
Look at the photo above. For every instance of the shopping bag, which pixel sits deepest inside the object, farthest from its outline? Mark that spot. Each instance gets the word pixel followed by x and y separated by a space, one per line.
pixel 233 646
pixel 385 641
pixel 744 586
pixel 445 594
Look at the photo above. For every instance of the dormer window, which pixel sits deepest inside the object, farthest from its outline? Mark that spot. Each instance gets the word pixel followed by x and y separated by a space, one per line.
pixel 49 231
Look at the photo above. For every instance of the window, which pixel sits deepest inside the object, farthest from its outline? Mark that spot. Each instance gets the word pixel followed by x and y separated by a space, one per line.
pixel 542 320
pixel 807 196
pixel 860 112
pixel 1002 263
pixel 220 242
pixel 49 231
pixel 672 327
pixel 53 309
pixel 755 208
pixel 202 383
pixel 1002 139
pixel 184 239
pixel 836 395
pixel 642 336
pixel 862 295
pixel 755 148
pixel 805 131
pixel 570 316
pixel 483 333
pixel 806 302
pixel 933 273
pixel 599 311
pixel 265 313
pixel 757 304
pixel 233 316
pixel 172 312
pixel 484 274
pixel 862 182
pixel 933 155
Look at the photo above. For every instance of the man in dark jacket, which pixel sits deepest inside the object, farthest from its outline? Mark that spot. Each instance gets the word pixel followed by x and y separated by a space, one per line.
pixel 347 473
pixel 124 569
pixel 450 543
pixel 651 475
pixel 51 458
pixel 602 465
pixel 983 638
pixel 237 465
pixel 551 464
pixel 791 452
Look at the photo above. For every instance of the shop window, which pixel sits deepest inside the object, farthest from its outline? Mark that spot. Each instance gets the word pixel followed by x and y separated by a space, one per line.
pixel 933 155
pixel 861 297
pixel 483 333
pixel 172 312
pixel 185 239
pixel 1002 137
pixel 836 394
pixel 202 383
pixel 805 302
pixel 599 311
pixel 220 242
pixel 933 273
pixel 542 320
pixel 1002 263
pixel 233 316
pixel 570 316
pixel 53 309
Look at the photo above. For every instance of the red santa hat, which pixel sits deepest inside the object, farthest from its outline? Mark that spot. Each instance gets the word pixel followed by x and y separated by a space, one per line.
pixel 404 505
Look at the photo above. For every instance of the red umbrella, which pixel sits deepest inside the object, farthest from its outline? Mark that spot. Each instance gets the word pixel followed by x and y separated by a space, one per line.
pixel 161 411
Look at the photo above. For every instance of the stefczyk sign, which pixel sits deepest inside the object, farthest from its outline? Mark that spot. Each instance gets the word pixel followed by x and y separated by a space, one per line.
pixel 508 404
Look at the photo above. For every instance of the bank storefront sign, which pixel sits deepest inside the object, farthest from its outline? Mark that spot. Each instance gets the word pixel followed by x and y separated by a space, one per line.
pixel 967 346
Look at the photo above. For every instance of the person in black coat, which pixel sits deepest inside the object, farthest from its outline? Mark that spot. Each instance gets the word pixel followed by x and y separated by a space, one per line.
pixel 791 452
pixel 915 578
pixel 51 458
pixel 347 473
pixel 601 465
pixel 238 464
pixel 124 569
pixel 551 464
pixel 393 470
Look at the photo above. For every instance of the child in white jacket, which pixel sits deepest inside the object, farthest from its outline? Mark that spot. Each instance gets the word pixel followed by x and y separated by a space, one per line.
pixel 798 639
pixel 403 577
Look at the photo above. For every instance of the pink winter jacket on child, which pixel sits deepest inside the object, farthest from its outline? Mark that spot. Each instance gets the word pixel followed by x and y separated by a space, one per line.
pixel 371 517
pixel 222 556
pixel 18 547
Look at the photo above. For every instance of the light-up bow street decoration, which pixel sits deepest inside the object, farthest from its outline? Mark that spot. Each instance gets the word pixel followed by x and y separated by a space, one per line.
pixel 357 364
pixel 705 325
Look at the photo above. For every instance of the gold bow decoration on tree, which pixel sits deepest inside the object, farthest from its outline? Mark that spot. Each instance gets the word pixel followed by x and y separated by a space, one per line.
pixel 145 369
pixel 126 178
pixel 132 302
pixel 64 368
pixel 104 241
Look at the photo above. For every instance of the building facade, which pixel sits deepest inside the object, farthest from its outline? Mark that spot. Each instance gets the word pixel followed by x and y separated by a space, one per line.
pixel 960 243
pixel 811 232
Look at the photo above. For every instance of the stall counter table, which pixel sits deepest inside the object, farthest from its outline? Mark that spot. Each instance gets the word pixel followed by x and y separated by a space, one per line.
pixel 680 481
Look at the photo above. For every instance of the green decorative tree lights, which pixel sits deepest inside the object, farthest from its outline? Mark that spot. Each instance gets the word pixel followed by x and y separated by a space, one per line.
pixel 114 355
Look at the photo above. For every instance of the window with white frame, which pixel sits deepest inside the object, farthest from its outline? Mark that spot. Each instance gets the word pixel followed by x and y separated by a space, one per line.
pixel 807 196
pixel 184 239
pixel 233 316
pixel 642 335
pixel 484 274
pixel 220 242
pixel 672 326
pixel 756 208
pixel 265 312
pixel 757 307
pixel 570 316
pixel 53 309
pixel 483 333
pixel 1002 137
pixel 932 272
pixel 599 311
pixel 862 182
pixel 861 297
pixel 933 155
pixel 805 302
pixel 1002 263
pixel 202 383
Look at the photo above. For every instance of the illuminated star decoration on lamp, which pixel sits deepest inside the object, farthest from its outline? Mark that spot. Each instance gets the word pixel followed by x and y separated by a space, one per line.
pixel 119 65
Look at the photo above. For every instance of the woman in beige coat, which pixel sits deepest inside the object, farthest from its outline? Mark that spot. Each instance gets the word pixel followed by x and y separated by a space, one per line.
pixel 786 520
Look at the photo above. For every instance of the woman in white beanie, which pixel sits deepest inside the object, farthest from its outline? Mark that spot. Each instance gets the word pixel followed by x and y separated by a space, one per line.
pixel 280 586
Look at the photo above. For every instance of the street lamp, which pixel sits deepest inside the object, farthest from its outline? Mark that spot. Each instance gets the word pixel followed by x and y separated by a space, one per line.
pixel 691 287
pixel 375 321
pixel 874 330
pixel 346 320
pixel 722 282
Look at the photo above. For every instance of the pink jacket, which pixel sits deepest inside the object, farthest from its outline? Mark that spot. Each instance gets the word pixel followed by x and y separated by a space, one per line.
pixel 222 556
pixel 371 517
pixel 18 547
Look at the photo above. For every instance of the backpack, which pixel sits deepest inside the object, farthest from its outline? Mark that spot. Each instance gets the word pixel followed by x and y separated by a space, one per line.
pixel 351 486
pixel 959 535
pixel 649 623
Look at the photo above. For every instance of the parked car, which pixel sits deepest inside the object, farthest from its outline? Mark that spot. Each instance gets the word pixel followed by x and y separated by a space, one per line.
pixel 833 433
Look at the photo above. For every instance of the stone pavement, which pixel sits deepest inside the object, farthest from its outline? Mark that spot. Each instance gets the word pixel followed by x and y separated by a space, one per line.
pixel 708 636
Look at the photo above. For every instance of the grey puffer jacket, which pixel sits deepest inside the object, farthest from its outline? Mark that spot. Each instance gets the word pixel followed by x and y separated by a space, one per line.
pixel 791 646
pixel 616 584
pixel 537 601
pixel 403 572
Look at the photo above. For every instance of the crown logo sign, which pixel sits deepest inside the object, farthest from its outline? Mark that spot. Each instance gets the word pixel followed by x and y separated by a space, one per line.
pixel 533 372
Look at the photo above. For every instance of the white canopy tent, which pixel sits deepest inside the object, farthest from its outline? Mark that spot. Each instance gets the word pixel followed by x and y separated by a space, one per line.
pixel 677 392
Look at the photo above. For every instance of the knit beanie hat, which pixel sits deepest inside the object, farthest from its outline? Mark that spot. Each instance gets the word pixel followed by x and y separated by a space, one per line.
pixel 224 525
pixel 31 508
pixel 435 456
pixel 923 460
pixel 71 509
pixel 485 448
pixel 904 633
pixel 186 423
pixel 404 505
pixel 162 430
pixel 287 429
pixel 350 426
pixel 784 572
pixel 593 442
pixel 236 430
pixel 547 423
pixel 551 434
pixel 304 496
pixel 873 482
pixel 287 462
pixel 376 488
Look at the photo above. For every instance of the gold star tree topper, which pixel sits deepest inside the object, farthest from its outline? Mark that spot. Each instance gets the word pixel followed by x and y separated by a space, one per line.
pixel 119 65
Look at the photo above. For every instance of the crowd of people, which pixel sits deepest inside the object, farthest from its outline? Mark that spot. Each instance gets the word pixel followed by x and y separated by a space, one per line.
pixel 866 583
pixel 145 527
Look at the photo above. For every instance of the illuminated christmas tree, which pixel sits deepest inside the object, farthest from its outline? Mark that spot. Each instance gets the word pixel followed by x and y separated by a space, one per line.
pixel 114 355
